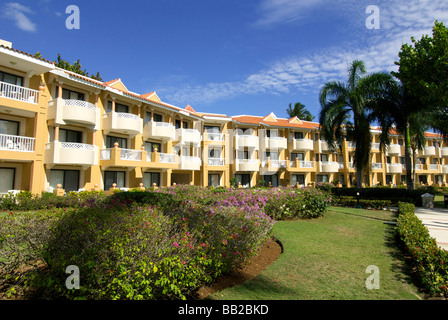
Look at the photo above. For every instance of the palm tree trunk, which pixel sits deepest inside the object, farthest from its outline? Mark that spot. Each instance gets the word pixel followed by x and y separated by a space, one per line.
pixel 407 159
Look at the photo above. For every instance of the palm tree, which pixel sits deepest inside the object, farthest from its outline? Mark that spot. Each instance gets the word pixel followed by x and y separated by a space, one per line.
pixel 300 112
pixel 344 113
pixel 398 110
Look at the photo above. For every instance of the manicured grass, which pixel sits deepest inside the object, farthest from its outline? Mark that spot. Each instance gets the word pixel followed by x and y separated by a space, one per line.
pixel 326 259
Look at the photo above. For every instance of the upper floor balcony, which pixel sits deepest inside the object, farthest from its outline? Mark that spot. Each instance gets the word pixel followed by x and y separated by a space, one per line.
pixel 188 136
pixel 214 137
pixel 121 122
pixel 329 167
pixel 444 169
pixel 444 152
pixel 70 153
pixel 275 143
pixel 16 148
pixel 302 144
pixel 394 168
pixel 393 150
pixel 158 130
pixel 189 163
pixel 246 141
pixel 70 111
pixel 247 164
pixel 18 93
pixel 430 151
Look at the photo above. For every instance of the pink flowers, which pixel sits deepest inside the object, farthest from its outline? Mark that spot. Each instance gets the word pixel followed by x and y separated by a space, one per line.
pixel 176 244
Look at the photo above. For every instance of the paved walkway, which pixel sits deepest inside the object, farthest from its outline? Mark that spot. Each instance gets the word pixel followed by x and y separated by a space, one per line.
pixel 436 221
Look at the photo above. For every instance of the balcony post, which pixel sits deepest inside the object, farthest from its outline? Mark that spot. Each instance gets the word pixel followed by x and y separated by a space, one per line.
pixel 115 153
pixel 56 133
pixel 288 165
pixel 144 153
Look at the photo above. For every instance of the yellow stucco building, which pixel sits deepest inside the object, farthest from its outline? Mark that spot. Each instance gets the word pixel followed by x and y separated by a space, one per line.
pixel 57 127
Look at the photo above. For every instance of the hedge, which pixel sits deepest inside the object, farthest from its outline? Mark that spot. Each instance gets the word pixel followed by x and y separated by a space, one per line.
pixel 394 195
pixel 430 261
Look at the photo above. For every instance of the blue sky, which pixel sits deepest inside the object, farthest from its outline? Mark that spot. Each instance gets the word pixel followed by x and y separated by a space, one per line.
pixel 235 57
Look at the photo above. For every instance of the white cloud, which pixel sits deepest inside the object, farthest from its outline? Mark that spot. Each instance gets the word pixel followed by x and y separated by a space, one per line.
pixel 307 72
pixel 18 13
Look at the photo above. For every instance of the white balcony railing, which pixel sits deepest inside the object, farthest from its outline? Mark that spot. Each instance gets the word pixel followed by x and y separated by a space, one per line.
pixel 433 167
pixel 214 136
pixel 306 164
pixel 129 154
pixel 215 161
pixel 16 143
pixel 375 146
pixel 377 165
pixel 167 158
pixel 105 154
pixel 18 93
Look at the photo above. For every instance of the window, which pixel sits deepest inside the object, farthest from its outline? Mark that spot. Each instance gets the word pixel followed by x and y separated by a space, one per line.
pixel 212 129
pixel 69 179
pixel 9 127
pixel 273 179
pixel 298 156
pixel 316 137
pixel 244 179
pixel 149 178
pixel 322 178
pixel 403 178
pixel 150 146
pixel 213 179
pixel 70 136
pixel 111 177
pixel 11 79
pixel 155 117
pixel 300 178
pixel 70 94
pixel 422 160
pixel 184 124
pixel 214 153
pixel 118 107
pixel 243 155
pixel 7 179
pixel 273 155
pixel 122 142
pixel 298 135
pixel 324 157
pixel 400 142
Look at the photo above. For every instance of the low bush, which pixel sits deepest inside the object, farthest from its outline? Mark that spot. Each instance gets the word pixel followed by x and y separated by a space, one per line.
pixel 430 261
pixel 394 195
pixel 363 203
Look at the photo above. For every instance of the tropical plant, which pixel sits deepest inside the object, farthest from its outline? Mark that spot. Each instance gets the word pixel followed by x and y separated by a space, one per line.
pixel 423 69
pixel 344 114
pixel 399 111
pixel 299 111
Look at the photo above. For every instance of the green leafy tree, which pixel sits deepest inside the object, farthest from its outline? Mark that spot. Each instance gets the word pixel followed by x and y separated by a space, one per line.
pixel 344 114
pixel 75 67
pixel 396 109
pixel 299 111
pixel 423 70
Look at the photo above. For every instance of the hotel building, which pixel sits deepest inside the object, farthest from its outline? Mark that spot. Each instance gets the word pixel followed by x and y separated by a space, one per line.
pixel 58 127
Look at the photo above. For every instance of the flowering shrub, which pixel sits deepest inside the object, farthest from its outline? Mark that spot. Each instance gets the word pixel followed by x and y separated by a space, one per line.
pixel 156 245
pixel 430 261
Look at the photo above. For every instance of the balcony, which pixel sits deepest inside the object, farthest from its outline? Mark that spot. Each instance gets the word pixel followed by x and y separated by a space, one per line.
pixel 430 151
pixel 118 157
pixel 329 167
pixel 247 165
pixel 269 167
pixel 126 123
pixel 433 167
pixel 444 152
pixel 18 93
pixel 393 150
pixel 302 144
pixel 158 130
pixel 71 153
pixel 216 162
pixel 394 168
pixel 188 136
pixel 16 143
pixel 214 137
pixel 300 165
pixel 445 169
pixel 377 166
pixel 70 111
pixel 276 143
pixel 246 141
pixel 189 163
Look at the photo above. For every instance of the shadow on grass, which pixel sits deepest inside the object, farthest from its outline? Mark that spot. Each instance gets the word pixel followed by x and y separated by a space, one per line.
pixel 360 215
pixel 259 288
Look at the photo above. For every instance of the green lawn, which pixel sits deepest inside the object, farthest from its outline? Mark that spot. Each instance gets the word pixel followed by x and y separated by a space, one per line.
pixel 326 259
